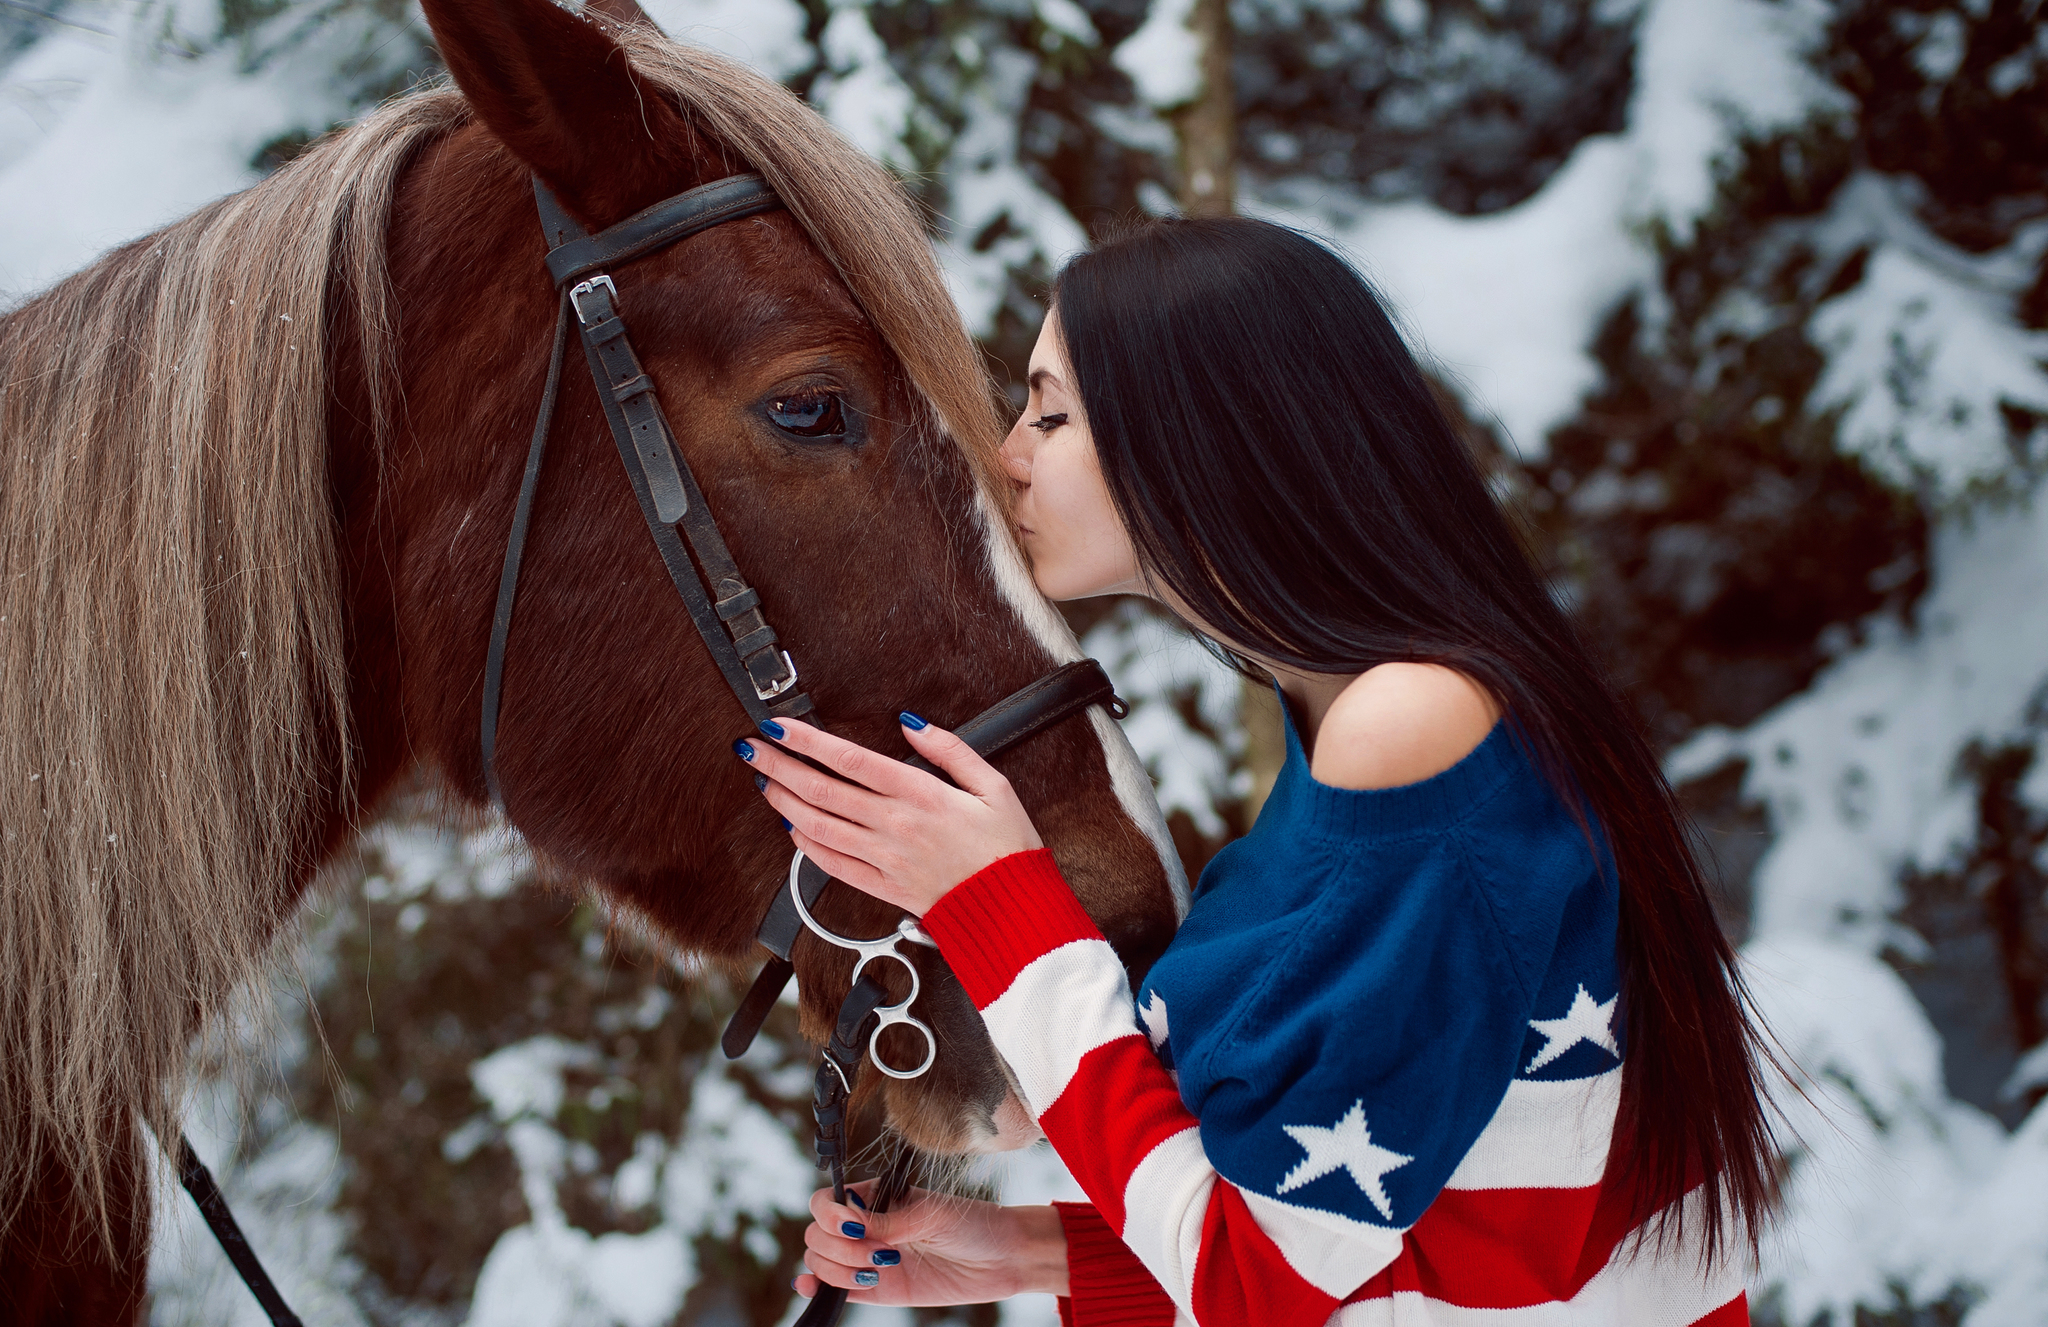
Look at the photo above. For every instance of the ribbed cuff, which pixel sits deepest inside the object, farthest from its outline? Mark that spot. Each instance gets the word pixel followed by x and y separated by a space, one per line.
pixel 1107 1285
pixel 992 924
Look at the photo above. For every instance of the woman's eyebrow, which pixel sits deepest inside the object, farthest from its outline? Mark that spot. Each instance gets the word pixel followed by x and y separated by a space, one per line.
pixel 1040 377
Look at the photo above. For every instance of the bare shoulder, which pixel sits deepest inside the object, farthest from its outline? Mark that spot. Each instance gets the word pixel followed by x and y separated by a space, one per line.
pixel 1401 723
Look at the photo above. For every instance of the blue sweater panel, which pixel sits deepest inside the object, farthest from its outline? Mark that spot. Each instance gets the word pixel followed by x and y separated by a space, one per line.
pixel 1362 976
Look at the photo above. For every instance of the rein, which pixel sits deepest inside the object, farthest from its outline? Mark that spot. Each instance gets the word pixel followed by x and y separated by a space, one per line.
pixel 727 613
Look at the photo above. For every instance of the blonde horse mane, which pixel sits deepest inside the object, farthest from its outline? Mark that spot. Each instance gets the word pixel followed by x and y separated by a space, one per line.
pixel 173 692
pixel 173 689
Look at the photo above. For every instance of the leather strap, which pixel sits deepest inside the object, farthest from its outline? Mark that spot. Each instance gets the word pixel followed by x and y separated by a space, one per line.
pixel 1019 716
pixel 577 254
pixel 671 501
pixel 198 1181
pixel 515 555
pixel 728 614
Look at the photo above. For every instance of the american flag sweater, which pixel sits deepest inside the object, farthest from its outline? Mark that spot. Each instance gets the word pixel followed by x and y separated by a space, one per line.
pixel 1373 1079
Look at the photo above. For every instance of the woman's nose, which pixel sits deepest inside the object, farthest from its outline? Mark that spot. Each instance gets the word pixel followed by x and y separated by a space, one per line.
pixel 1016 454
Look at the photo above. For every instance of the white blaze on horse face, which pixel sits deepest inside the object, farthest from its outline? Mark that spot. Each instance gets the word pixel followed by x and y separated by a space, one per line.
pixel 1126 772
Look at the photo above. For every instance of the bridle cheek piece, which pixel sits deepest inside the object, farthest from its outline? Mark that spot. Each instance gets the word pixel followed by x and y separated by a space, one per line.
pixel 728 615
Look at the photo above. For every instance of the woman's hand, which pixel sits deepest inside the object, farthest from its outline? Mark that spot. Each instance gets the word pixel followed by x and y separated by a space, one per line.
pixel 932 1249
pixel 896 832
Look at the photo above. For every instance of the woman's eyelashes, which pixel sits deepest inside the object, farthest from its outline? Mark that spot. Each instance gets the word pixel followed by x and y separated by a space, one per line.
pixel 1047 423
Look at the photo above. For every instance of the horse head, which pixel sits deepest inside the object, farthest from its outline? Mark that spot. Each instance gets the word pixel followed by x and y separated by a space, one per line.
pixel 839 421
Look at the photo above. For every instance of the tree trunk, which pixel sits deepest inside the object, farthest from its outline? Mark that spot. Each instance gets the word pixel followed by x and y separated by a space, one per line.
pixel 1207 126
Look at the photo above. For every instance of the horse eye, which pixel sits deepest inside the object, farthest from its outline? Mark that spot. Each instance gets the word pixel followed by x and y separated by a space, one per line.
pixel 812 416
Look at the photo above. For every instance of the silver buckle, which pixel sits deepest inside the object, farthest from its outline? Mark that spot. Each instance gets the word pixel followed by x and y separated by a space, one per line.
pixel 583 288
pixel 770 693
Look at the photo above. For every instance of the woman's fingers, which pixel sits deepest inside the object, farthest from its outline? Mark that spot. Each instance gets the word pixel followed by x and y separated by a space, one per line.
pixel 848 801
pixel 869 769
pixel 861 875
pixel 844 1245
pixel 846 837
pixel 961 762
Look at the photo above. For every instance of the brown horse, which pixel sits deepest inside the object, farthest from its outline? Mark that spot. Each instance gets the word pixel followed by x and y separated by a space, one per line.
pixel 256 476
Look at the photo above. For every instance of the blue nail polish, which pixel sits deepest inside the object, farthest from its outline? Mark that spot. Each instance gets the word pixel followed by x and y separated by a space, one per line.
pixel 760 783
pixel 885 1257
pixel 854 1198
pixel 867 1278
pixel 911 721
pixel 792 1284
pixel 786 826
pixel 853 1230
pixel 772 729
pixel 743 749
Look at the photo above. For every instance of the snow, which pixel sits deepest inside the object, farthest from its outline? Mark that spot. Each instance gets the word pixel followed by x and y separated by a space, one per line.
pixel 1897 1183
pixel 1508 304
pixel 1505 304
pixel 1924 350
pixel 1162 57
pixel 103 138
pixel 1859 772
pixel 767 34
pixel 862 95
pixel 991 194
pixel 1707 70
pixel 1157 666
pixel 734 1160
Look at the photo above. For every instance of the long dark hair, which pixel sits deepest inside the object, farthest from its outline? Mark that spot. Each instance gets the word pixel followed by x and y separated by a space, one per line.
pixel 1285 469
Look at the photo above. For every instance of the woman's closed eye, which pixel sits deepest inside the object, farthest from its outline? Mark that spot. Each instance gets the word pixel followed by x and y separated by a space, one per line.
pixel 1047 423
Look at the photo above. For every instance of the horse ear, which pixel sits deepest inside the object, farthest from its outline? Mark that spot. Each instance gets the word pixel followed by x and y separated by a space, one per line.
pixel 559 92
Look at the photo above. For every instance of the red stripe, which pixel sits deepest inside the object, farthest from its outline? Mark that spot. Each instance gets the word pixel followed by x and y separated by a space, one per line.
pixel 1509 1248
pixel 1735 1313
pixel 1499 1248
pixel 992 924
pixel 1119 1106
pixel 1242 1277
pixel 1106 1284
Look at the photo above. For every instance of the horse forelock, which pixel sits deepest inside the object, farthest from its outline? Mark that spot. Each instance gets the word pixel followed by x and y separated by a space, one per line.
pixel 172 681
pixel 859 218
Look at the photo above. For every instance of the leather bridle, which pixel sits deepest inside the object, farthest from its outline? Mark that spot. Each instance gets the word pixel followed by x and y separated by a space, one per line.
pixel 762 677
pixel 729 616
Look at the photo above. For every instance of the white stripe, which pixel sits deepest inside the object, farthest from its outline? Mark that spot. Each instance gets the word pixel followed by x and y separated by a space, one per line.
pixel 1126 772
pixel 1165 1204
pixel 1063 1004
pixel 1331 1252
pixel 1545 1135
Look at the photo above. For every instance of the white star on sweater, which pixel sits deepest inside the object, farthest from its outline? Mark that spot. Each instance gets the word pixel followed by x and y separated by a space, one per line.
pixel 1347 1145
pixel 1154 1014
pixel 1584 1021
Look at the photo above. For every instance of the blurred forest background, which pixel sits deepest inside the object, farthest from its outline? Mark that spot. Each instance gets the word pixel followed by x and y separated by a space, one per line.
pixel 1745 303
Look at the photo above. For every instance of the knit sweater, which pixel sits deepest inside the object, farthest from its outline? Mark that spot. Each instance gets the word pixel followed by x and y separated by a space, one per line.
pixel 1373 1079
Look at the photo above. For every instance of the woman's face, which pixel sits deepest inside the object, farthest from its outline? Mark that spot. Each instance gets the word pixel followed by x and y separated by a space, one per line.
pixel 1065 520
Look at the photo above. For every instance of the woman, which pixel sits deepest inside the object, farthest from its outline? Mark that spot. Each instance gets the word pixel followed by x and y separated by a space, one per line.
pixel 1453 1027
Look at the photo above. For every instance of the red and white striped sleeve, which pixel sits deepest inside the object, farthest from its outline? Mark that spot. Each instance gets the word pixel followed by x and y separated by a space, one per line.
pixel 1057 1003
